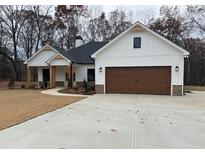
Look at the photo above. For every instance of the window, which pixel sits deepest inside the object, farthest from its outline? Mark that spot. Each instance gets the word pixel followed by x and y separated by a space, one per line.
pixel 73 76
pixel 66 76
pixel 137 42
pixel 46 75
pixel 91 74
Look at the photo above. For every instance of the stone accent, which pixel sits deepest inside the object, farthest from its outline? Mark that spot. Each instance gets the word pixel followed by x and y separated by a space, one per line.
pixel 59 83
pixel 65 83
pixel 42 84
pixel 99 89
pixel 79 83
pixel 90 84
pixel 177 90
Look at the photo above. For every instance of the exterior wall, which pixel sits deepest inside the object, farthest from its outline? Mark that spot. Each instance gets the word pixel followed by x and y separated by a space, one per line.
pixel 81 71
pixel 60 74
pixel 177 90
pixel 40 76
pixel 61 66
pixel 99 89
pixel 153 52
pixel 41 58
pixel 40 73
pixel 59 62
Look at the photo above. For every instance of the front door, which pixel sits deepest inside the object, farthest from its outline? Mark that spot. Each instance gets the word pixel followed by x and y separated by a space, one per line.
pixel 46 75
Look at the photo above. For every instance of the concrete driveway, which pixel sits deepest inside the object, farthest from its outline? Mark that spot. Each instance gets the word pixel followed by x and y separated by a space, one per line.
pixel 116 121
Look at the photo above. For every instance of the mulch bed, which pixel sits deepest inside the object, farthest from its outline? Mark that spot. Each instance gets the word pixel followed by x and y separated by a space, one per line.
pixel 76 91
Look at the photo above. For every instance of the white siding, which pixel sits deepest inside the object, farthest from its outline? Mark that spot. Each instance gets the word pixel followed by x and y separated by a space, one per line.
pixel 153 52
pixel 61 73
pixel 81 71
pixel 59 62
pixel 40 74
pixel 61 66
pixel 41 58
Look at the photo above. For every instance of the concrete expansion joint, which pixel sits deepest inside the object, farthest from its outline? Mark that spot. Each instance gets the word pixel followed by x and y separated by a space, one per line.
pixel 135 112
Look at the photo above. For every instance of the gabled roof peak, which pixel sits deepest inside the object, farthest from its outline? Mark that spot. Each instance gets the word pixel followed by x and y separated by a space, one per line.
pixel 142 27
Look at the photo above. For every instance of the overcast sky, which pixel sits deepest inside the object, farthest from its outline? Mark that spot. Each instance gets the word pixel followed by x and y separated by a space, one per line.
pixel 138 10
pixel 108 8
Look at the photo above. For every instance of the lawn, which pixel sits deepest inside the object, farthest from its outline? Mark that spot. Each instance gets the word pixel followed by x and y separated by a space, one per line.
pixel 17 106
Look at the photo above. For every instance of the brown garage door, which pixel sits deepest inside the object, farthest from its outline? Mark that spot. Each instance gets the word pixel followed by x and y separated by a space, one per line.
pixel 141 80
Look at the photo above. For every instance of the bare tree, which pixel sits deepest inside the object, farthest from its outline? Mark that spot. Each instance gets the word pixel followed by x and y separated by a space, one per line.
pixel 11 17
pixel 146 16
pixel 41 17
pixel 119 20
pixel 89 28
pixel 99 28
pixel 196 15
pixel 37 29
pixel 67 21
pixel 172 25
pixel 28 34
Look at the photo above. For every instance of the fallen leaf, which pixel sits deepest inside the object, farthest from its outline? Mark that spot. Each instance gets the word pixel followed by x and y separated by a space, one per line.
pixel 113 130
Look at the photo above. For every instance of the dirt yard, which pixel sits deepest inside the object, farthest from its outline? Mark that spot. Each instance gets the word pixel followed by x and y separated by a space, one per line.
pixel 17 106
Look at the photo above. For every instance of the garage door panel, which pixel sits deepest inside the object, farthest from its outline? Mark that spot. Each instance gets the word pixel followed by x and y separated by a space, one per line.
pixel 145 80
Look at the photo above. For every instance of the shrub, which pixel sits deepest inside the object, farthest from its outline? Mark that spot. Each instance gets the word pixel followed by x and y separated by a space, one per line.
pixel 85 86
pixel 23 86
pixel 69 83
pixel 75 88
pixel 11 83
pixel 32 86
pixel 41 85
pixel 92 88
pixel 45 84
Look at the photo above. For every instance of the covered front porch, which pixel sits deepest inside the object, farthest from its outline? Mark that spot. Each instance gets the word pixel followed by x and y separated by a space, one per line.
pixel 53 76
pixel 57 70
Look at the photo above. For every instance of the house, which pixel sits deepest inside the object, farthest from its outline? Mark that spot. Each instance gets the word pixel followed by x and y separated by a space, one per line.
pixel 137 61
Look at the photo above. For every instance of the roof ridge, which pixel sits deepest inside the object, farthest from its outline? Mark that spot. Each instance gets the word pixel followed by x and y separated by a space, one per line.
pixel 81 54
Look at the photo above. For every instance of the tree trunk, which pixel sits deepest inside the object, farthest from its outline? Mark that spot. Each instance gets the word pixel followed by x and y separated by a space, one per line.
pixel 188 71
pixel 16 76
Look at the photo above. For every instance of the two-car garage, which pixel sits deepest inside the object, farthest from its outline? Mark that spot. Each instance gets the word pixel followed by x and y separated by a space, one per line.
pixel 144 80
pixel 140 61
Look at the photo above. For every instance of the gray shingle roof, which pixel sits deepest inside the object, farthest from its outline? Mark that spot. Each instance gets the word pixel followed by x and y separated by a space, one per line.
pixel 82 54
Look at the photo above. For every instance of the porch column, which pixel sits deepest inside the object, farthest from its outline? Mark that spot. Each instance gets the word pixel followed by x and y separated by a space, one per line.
pixel 51 76
pixel 54 76
pixel 70 76
pixel 29 74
